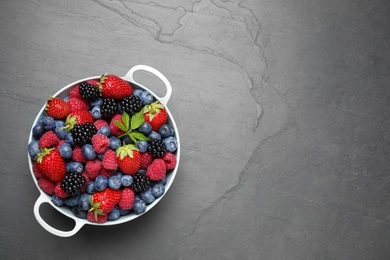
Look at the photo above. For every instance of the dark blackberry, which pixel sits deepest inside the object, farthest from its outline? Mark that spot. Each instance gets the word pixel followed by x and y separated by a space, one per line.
pixel 131 104
pixel 140 183
pixel 157 148
pixel 82 133
pixel 88 91
pixel 72 183
pixel 109 108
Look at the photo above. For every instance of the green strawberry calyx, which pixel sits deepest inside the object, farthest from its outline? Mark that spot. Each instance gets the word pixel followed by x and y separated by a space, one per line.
pixel 126 150
pixel 95 208
pixel 69 123
pixel 42 154
pixel 102 79
pixel 153 109
pixel 47 103
pixel 129 126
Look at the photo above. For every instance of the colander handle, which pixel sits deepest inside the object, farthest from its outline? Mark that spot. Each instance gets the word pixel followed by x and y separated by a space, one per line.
pixel 129 76
pixel 49 228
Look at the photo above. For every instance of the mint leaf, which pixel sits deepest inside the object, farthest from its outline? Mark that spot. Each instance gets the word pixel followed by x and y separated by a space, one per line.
pixel 131 135
pixel 126 119
pixel 139 136
pixel 120 125
pixel 137 120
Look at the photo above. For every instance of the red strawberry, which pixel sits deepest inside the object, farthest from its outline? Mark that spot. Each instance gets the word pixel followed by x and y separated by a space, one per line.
pixel 156 170
pixel 103 202
pixel 93 82
pixel 77 104
pixel 129 158
pixel 47 185
pixel 97 219
pixel 48 140
pixel 156 115
pixel 112 86
pixel 109 160
pixel 51 164
pixel 78 117
pixel 127 199
pixel 57 108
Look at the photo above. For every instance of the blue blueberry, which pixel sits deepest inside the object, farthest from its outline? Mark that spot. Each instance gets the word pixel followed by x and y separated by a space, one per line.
pixel 96 112
pixel 79 213
pixel 139 206
pixel 124 212
pixel 69 139
pixel 145 128
pixel 146 97
pixel 158 190
pixel 38 131
pixel 90 187
pixel 66 98
pixel 97 102
pixel 114 182
pixel 126 180
pixel 154 136
pixel 126 139
pixel 83 202
pixel 147 196
pixel 71 201
pixel 163 181
pixel 105 130
pixel 142 146
pixel 48 123
pixel 61 134
pixel 88 152
pixel 142 171
pixel 66 151
pixel 114 214
pixel 115 143
pixel 100 156
pixel 170 144
pixel 57 200
pixel 119 174
pixel 33 149
pixel 100 183
pixel 166 130
pixel 74 167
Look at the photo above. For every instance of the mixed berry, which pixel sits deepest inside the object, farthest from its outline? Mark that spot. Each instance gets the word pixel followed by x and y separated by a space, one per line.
pixel 104 150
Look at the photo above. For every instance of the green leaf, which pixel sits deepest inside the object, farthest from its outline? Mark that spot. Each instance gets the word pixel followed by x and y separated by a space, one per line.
pixel 126 119
pixel 138 136
pixel 132 137
pixel 120 125
pixel 137 120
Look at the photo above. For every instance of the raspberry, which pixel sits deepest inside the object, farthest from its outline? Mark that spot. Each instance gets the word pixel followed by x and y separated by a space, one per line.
pixel 156 170
pixel 77 104
pixel 93 168
pixel 100 143
pixel 127 199
pixel 169 160
pixel 146 160
pixel 60 192
pixel 115 130
pixel 77 154
pixel 48 140
pixel 47 185
pixel 75 93
pixel 96 218
pixel 107 173
pixel 109 160
pixel 38 174
pixel 100 123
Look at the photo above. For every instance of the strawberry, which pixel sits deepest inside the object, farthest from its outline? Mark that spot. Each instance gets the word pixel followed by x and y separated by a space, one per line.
pixel 51 164
pixel 78 117
pixel 97 218
pixel 103 202
pixel 112 86
pixel 129 158
pixel 57 108
pixel 77 104
pixel 155 114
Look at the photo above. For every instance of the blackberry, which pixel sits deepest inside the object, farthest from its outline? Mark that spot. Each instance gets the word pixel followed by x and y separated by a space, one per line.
pixel 140 183
pixel 157 148
pixel 82 133
pixel 131 104
pixel 109 108
pixel 88 91
pixel 72 183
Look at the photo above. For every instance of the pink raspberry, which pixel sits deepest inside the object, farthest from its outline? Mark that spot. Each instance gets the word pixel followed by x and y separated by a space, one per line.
pixel 127 199
pixel 96 218
pixel 109 160
pixel 100 143
pixel 78 104
pixel 146 160
pixel 47 185
pixel 93 82
pixel 156 170
pixel 93 168
pixel 169 160
pixel 107 173
pixel 74 93
pixel 77 154
pixel 100 123
pixel 115 130
pixel 48 140
pixel 60 192
pixel 38 174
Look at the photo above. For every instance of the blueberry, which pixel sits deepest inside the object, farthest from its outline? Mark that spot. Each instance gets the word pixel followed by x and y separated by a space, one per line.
pixel 38 131
pixel 57 200
pixel 61 134
pixel 88 152
pixel 124 212
pixel 90 187
pixel 126 139
pixel 163 181
pixel 114 214
pixel 83 202
pixel 147 196
pixel 66 98
pixel 115 143
pixel 119 174
pixel 100 183
pixel 137 92
pixel 66 151
pixel 158 190
pixel 142 146
pixel 146 97
pixel 114 182
pixel 139 207
pixel 96 112
pixel 33 149
pixel 97 102
pixel 100 156
pixel 69 139
pixel 142 171
pixel 105 130
pixel 71 201
pixel 166 130
pixel 126 180
pixel 145 128
pixel 48 123
pixel 154 136
pixel 170 144
pixel 74 167
pixel 79 213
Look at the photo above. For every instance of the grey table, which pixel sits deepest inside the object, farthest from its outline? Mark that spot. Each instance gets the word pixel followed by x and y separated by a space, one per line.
pixel 282 108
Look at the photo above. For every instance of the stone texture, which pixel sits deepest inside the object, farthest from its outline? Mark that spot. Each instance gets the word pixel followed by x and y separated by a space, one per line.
pixel 283 113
